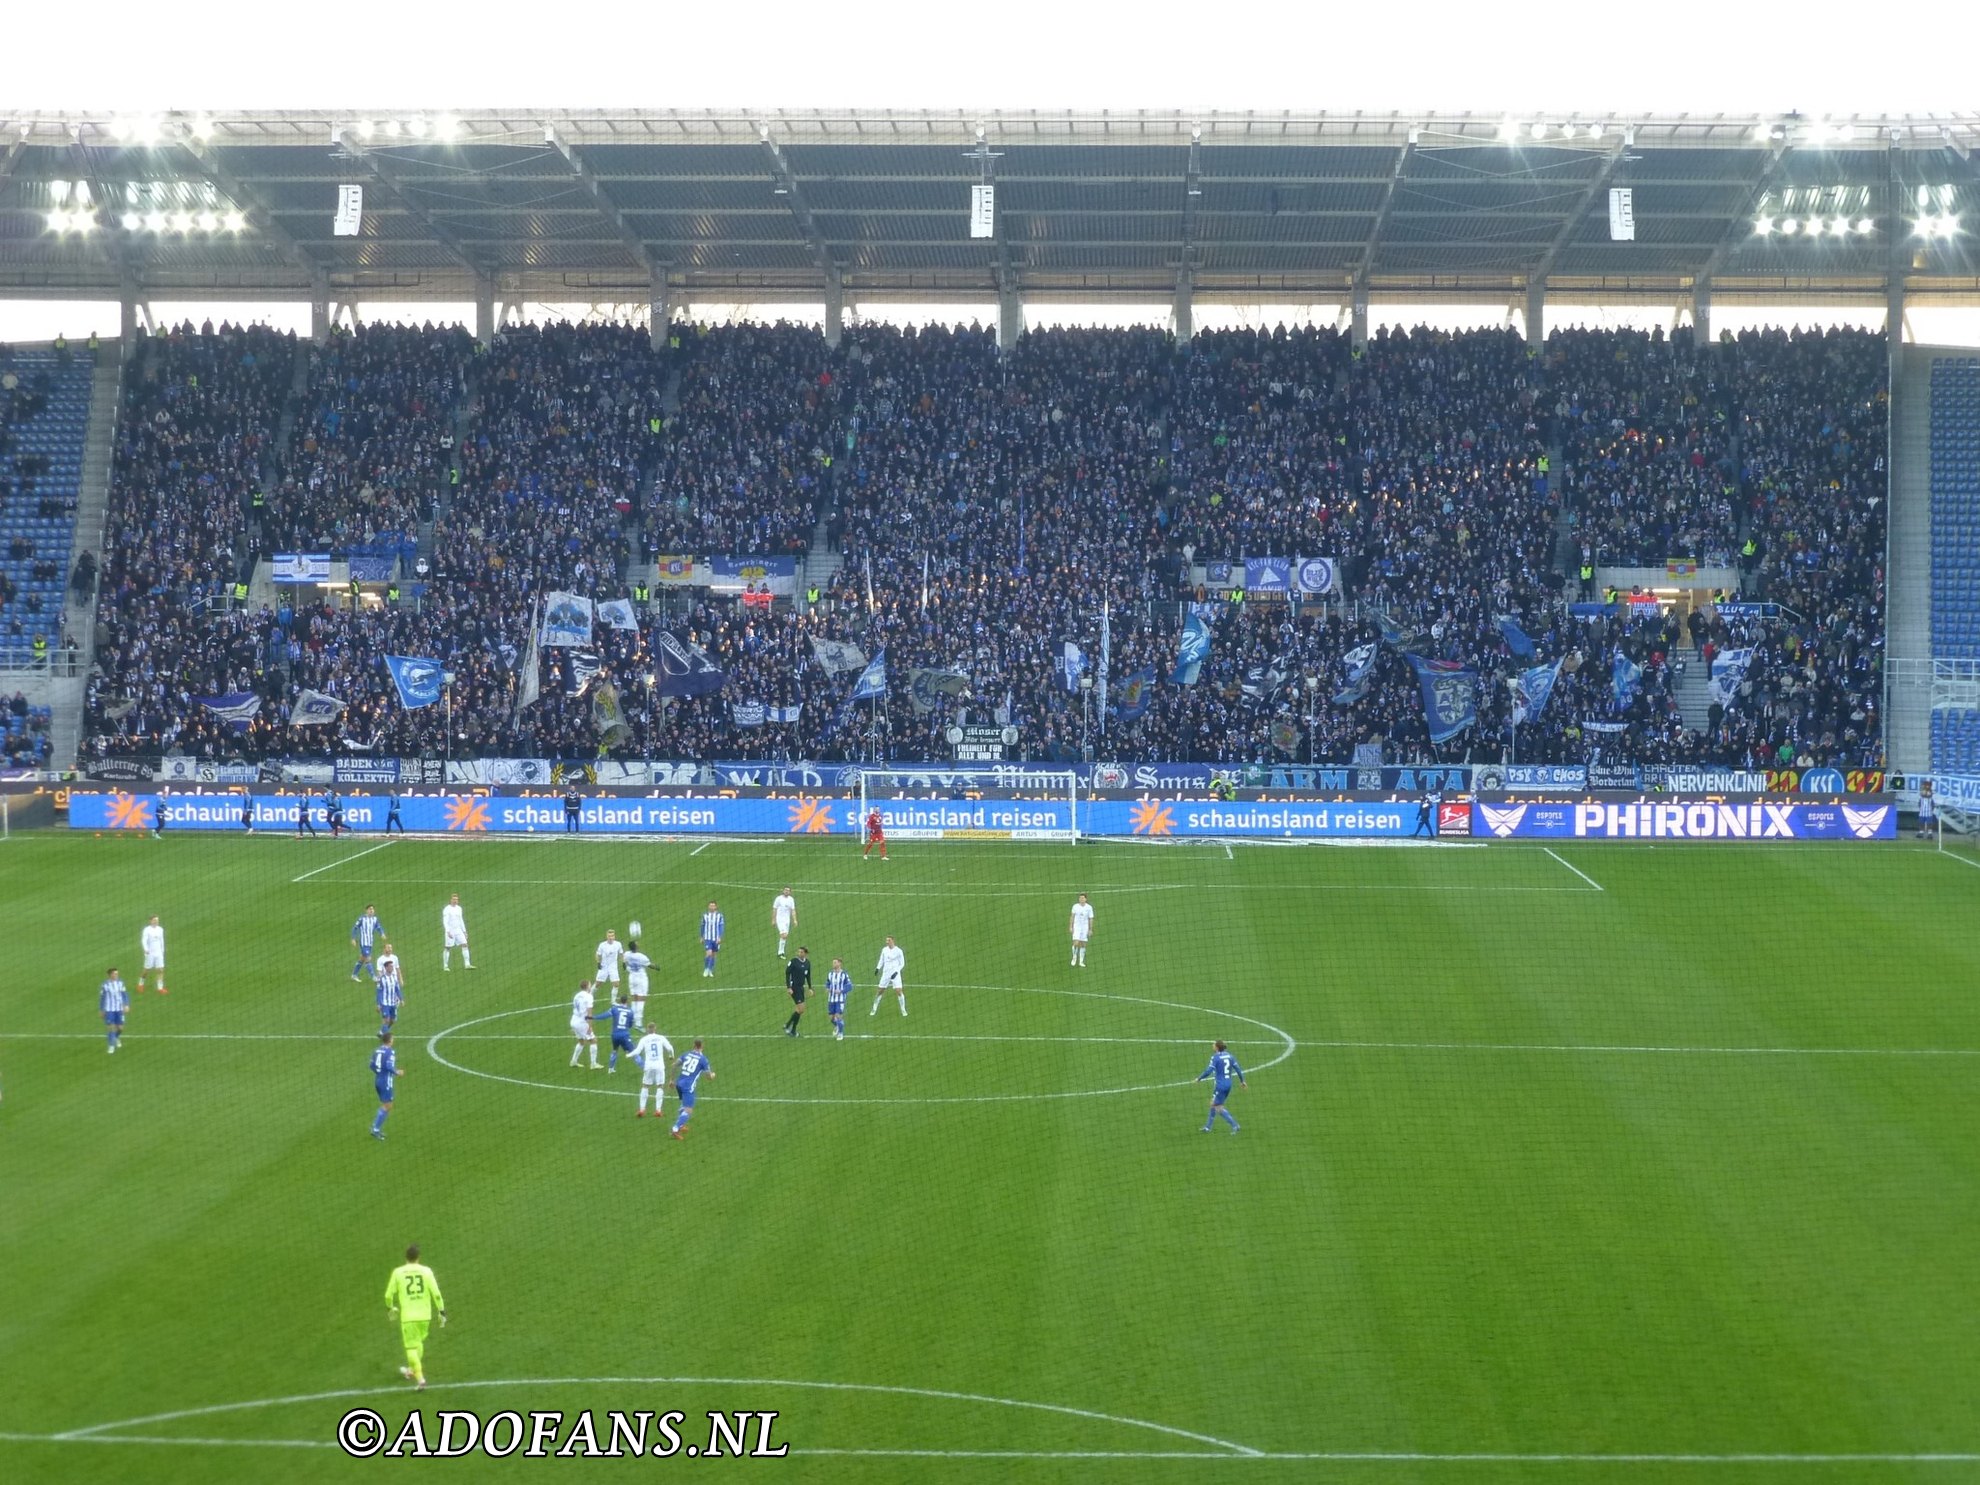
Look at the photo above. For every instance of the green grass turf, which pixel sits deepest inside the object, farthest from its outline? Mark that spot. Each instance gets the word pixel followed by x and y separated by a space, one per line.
pixel 1442 1230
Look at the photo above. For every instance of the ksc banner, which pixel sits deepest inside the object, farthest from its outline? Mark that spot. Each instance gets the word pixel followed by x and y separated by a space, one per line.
pixel 734 574
pixel 1692 820
pixel 302 567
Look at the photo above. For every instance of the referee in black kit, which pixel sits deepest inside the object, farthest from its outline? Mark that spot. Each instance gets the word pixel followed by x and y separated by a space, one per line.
pixel 573 809
pixel 797 980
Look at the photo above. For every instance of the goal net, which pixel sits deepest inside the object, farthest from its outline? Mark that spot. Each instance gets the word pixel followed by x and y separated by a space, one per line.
pixel 925 804
pixel 1955 822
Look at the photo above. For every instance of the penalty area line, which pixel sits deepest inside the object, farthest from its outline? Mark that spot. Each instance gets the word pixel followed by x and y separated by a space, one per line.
pixel 340 861
pixel 1573 868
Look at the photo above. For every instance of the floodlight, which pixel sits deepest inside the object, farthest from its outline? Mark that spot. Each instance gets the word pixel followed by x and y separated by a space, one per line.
pixel 1762 226
pixel 416 127
pixel 208 222
pixel 58 221
pixel 1508 130
pixel 202 127
pixel 1762 132
pixel 390 128
pixel 154 221
pixel 82 192
pixel 447 126
pixel 364 128
pixel 236 222
pixel 1948 225
pixel 58 191
pixel 132 221
pixel 1789 226
pixel 83 221
pixel 1924 196
pixel 182 221
pixel 1539 131
pixel 1866 224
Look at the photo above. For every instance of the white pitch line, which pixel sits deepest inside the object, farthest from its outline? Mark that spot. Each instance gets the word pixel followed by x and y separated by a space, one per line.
pixel 1228 854
pixel 560 1038
pixel 1573 868
pixel 1955 856
pixel 986 889
pixel 699 849
pixel 1648 1050
pixel 341 861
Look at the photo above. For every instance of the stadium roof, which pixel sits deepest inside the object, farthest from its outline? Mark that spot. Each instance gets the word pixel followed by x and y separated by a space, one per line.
pixel 596 206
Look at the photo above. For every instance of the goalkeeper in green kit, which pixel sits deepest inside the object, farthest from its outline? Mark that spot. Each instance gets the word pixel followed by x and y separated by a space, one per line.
pixel 412 1294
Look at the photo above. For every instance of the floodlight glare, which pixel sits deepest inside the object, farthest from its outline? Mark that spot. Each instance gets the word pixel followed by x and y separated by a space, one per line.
pixel 416 127
pixel 364 128
pixel 1539 131
pixel 182 221
pixel 1508 130
pixel 1762 132
pixel 1762 226
pixel 1866 224
pixel 154 221
pixel 132 221
pixel 1789 226
pixel 235 221
pixel 208 222
pixel 83 221
pixel 202 127
pixel 58 221
pixel 446 126
pixel 391 128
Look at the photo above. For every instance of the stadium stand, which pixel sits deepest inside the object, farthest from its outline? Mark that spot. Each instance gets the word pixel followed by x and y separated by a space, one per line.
pixel 44 415
pixel 1955 453
pixel 985 505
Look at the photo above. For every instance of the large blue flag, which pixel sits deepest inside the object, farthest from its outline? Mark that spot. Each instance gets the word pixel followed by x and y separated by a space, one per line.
pixel 682 667
pixel 1360 663
pixel 236 708
pixel 1195 649
pixel 1137 693
pixel 1624 677
pixel 1516 638
pixel 872 680
pixel 1450 696
pixel 1535 687
pixel 418 679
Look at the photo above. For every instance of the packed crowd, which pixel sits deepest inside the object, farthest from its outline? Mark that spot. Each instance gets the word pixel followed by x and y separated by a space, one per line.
pixel 987 507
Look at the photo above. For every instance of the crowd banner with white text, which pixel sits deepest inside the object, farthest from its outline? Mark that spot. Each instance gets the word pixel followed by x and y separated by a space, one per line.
pixel 735 574
pixel 301 567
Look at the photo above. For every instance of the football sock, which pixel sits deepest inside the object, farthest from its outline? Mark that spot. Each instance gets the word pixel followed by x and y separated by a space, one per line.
pixel 903 1000
pixel 876 1007
pixel 466 962
pixel 378 1123
pixel 577 1054
pixel 613 1061
pixel 681 1119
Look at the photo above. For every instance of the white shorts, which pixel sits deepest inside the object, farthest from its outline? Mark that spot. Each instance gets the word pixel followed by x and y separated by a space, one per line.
pixel 608 975
pixel 637 992
pixel 654 1078
pixel 783 929
pixel 456 940
pixel 154 961
pixel 891 980
pixel 1080 938
pixel 582 1030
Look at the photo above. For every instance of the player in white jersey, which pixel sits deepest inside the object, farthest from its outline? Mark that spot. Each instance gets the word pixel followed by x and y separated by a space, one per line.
pixel 783 912
pixel 152 941
pixel 581 1025
pixel 608 954
pixel 892 962
pixel 453 934
pixel 637 964
pixel 1082 929
pixel 652 1054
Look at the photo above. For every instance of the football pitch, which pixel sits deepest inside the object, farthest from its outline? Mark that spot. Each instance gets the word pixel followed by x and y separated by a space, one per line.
pixel 1621 1162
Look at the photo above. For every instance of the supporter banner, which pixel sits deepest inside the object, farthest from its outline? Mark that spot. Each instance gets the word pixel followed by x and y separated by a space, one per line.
pixel 191 770
pixel 746 713
pixel 302 771
pixel 1217 574
pixel 1309 779
pixel 1960 791
pixel 1694 820
pixel 1514 777
pixel 1716 781
pixel 1728 670
pixel 1591 610
pixel 684 667
pixel 1614 776
pixel 927 685
pixel 141 770
pixel 792 713
pixel 369 771
pixel 302 567
pixel 1267 574
pixel 1137 694
pixel 417 679
pixel 676 571
pixel 1825 781
pixel 1746 610
pixel 1193 651
pixel 566 619
pixel 373 568
pixel 1535 686
pixel 1316 574
pixel 236 708
pixel 1517 639
pixel 733 574
pixel 499 771
pixel 979 742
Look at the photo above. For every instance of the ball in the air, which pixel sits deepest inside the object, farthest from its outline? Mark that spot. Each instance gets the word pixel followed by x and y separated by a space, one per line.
pixel 632 929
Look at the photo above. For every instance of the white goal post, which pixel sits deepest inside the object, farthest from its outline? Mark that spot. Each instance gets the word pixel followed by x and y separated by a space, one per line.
pixel 943 804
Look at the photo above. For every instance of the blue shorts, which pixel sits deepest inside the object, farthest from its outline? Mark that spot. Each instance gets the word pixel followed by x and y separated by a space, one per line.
pixel 389 1012
pixel 686 1096
pixel 835 1007
pixel 622 1041
pixel 113 1018
pixel 384 1090
pixel 712 945
pixel 1223 1091
pixel 363 953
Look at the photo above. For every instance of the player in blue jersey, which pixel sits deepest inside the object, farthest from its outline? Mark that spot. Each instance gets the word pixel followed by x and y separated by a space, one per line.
pixel 365 934
pixel 113 999
pixel 384 1069
pixel 693 1066
pixel 391 988
pixel 712 924
pixel 624 1024
pixel 1223 1067
pixel 838 985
